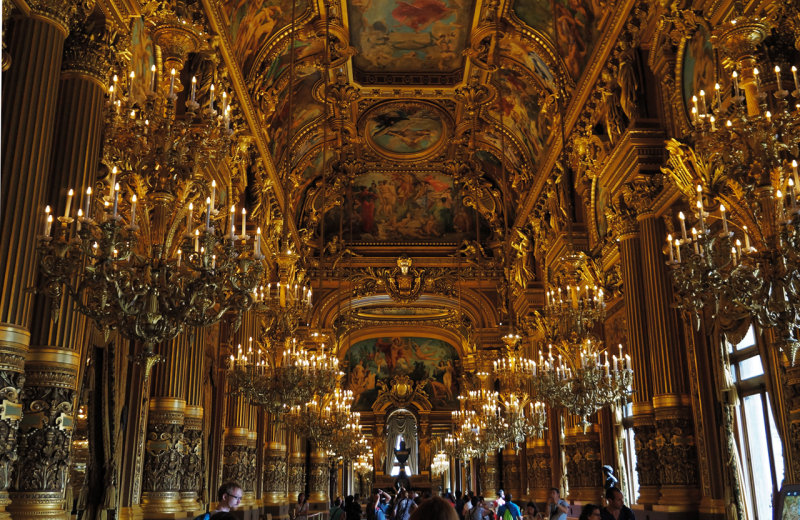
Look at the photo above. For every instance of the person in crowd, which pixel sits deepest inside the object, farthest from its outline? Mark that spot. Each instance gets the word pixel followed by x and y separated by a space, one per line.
pixel 590 512
pixel 531 511
pixel 556 508
pixel 337 512
pixel 229 496
pixel 300 509
pixel 467 505
pixel 476 512
pixel 380 504
pixel 615 508
pixel 459 504
pixel 499 501
pixel 435 508
pixel 405 506
pixel 512 508
pixel 352 507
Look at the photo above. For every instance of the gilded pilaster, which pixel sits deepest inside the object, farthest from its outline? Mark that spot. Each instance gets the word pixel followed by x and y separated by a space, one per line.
pixel 627 230
pixel 487 475
pixel 539 474
pixel 295 468
pixel 45 434
pixel 164 444
pixel 28 110
pixel 192 468
pixel 318 477
pixel 511 471
pixel 674 436
pixel 275 465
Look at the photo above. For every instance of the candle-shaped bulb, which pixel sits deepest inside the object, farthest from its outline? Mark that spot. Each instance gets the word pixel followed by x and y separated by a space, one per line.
pixel 194 87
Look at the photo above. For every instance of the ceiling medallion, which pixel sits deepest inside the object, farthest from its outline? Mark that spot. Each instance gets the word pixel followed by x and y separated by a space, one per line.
pixel 406 130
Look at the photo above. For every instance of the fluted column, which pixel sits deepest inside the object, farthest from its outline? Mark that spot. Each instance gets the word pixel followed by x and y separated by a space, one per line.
pixel 54 361
pixel 630 248
pixel 296 471
pixel 275 477
pixel 192 465
pixel 252 468
pixel 487 475
pixel 318 476
pixel 35 45
pixel 164 444
pixel 675 437
pixel 237 432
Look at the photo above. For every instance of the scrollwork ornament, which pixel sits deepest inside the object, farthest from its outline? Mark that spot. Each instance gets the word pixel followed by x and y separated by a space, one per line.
pixel 44 439
pixel 275 473
pixel 164 454
pixel 236 461
pixel 677 452
pixel 192 466
pixel 647 462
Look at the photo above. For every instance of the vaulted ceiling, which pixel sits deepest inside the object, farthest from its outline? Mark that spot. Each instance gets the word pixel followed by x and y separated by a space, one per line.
pixel 430 117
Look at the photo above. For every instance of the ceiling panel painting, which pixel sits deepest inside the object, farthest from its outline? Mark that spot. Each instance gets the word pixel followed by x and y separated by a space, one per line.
pixel 519 105
pixel 371 365
pixel 571 24
pixel 252 23
pixel 305 109
pixel 406 130
pixel 406 36
pixel 403 206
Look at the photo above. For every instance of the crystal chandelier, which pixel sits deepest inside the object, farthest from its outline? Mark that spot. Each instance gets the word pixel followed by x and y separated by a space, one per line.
pixel 572 304
pixel 363 463
pixel 525 418
pixel 583 380
pixel 440 464
pixel 456 446
pixel 739 173
pixel 481 421
pixel 152 253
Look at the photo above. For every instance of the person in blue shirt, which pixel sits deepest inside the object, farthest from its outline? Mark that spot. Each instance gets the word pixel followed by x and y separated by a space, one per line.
pixel 381 504
pixel 509 506
pixel 556 508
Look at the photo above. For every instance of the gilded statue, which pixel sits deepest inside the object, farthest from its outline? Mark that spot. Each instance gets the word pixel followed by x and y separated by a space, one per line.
pixel 521 268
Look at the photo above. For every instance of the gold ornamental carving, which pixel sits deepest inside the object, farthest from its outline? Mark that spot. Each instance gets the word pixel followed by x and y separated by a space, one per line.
pixel 89 53
pixel 404 283
pixel 60 12
pixel 402 392
pixel 164 450
pixel 235 467
pixel 275 476
pixel 677 453
pixel 647 463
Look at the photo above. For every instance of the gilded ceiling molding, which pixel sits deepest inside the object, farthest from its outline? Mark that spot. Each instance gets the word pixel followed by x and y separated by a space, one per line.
pixel 243 99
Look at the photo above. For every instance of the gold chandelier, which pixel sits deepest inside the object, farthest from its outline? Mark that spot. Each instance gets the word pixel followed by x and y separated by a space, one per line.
pixel 440 464
pixel 323 417
pixel 737 249
pixel 363 463
pixel 584 380
pixel 151 252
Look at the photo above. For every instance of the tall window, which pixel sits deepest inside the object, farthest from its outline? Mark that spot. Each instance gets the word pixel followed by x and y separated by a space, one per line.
pixel 760 448
pixel 629 456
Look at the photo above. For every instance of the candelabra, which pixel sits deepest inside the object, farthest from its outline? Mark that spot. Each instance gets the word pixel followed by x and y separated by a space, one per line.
pixel 572 304
pixel 363 463
pixel 583 380
pixel 281 379
pixel 525 418
pixel 739 171
pixel 322 417
pixel 151 253
pixel 481 420
pixel 457 447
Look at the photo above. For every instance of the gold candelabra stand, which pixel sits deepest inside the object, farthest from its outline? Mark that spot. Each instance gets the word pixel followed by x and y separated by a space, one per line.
pixel 150 253
pixel 738 171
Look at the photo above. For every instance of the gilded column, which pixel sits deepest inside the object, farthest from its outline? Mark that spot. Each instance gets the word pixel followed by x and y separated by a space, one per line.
pixel 237 433
pixel 630 251
pixel 296 466
pixel 540 477
pixel 78 129
pixel 511 471
pixel 675 434
pixel 318 476
pixel 487 475
pixel 164 443
pixel 584 466
pixel 35 44
pixel 193 464
pixel 275 465
pixel 252 460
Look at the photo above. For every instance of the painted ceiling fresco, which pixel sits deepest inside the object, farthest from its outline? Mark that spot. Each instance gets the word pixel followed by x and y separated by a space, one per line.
pixel 371 363
pixel 409 35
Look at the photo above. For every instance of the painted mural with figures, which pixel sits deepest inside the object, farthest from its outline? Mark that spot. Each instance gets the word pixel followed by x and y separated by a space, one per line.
pixel 378 360
pixel 409 35
pixel 405 206
pixel 405 129
pixel 570 24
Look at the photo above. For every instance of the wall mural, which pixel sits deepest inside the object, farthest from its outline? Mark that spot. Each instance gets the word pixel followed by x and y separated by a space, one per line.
pixel 409 35
pixel 304 106
pixel 404 206
pixel 406 130
pixel 520 102
pixel 516 50
pixel 571 24
pixel 697 68
pixel 373 361
pixel 251 24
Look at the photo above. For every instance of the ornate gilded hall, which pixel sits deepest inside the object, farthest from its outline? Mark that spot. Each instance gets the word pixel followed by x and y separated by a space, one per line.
pixel 326 246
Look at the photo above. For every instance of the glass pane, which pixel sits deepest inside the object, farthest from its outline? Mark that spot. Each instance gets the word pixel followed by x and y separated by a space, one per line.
pixel 744 459
pixel 750 367
pixel 631 476
pixel 777 446
pixel 733 370
pixel 759 455
pixel 749 339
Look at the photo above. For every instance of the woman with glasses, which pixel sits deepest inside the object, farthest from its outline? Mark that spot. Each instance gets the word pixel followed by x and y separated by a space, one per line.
pixel 590 512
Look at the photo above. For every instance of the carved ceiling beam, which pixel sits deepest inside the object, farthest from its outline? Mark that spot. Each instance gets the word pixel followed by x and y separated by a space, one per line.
pixel 248 109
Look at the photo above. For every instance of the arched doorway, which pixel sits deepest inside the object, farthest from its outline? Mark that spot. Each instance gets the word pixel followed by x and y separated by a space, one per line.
pixel 401 429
